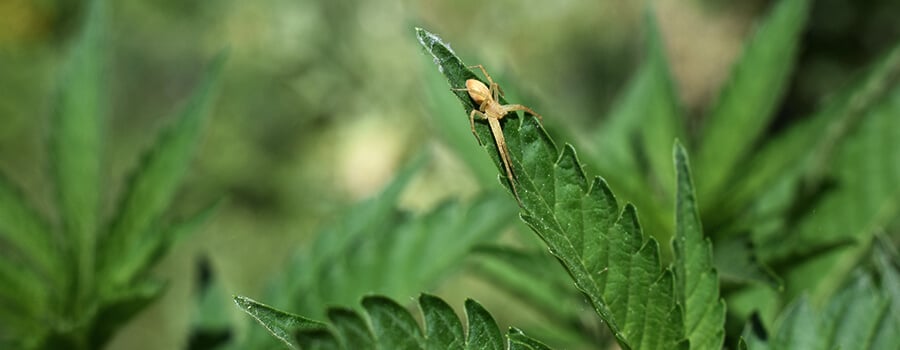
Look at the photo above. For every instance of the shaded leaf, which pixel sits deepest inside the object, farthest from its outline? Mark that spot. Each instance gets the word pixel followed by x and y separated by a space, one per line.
pixel 153 184
pixel 122 306
pixel 862 315
pixel 746 104
pixel 28 232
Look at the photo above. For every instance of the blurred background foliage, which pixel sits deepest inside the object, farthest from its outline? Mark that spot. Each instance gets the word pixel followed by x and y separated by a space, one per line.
pixel 324 100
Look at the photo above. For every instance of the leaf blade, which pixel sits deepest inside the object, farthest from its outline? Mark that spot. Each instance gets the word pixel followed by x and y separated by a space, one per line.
pixel 697 279
pixel 280 324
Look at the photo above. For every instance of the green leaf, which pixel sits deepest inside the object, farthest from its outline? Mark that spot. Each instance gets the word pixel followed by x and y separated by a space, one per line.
pixel 738 264
pixel 747 102
pixel 697 280
pixel 442 328
pixel 541 283
pixel 642 126
pixel 351 328
pixel 519 341
pixel 123 305
pixel 154 183
pixel 154 247
pixel 375 248
pixel 864 199
pixel 483 331
pixel 24 300
pixel 801 152
pixel 611 260
pixel 75 145
pixel 280 324
pixel 392 327
pixel 457 135
pixel 29 233
pixel 862 315
pixel 394 258
pixel 396 327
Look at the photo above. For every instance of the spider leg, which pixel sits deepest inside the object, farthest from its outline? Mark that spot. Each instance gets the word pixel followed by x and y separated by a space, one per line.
pixel 472 123
pixel 518 107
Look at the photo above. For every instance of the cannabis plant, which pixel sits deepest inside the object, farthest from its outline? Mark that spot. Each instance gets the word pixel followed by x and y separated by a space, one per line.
pixel 69 279
pixel 768 239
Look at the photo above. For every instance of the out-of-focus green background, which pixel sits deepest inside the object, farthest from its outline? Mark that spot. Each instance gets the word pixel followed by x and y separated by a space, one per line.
pixel 324 100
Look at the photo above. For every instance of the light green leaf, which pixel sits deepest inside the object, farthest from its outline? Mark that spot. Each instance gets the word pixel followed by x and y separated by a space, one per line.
pixel 75 145
pixel 747 102
pixel 697 280
pixel 611 260
pixel 152 186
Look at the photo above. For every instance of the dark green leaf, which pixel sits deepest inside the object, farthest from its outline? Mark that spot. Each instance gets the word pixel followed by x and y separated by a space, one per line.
pixel 351 328
pixel 280 324
pixel 442 327
pixel 483 331
pixel 611 260
pixel 396 328
pixel 392 327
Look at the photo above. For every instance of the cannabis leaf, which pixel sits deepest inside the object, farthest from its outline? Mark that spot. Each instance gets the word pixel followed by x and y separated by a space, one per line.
pixel 389 326
pixel 698 283
pixel 376 248
pixel 604 249
pixel 73 288
pixel 745 105
pixel 862 315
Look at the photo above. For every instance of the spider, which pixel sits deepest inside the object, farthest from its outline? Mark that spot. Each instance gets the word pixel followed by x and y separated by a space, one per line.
pixel 489 107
